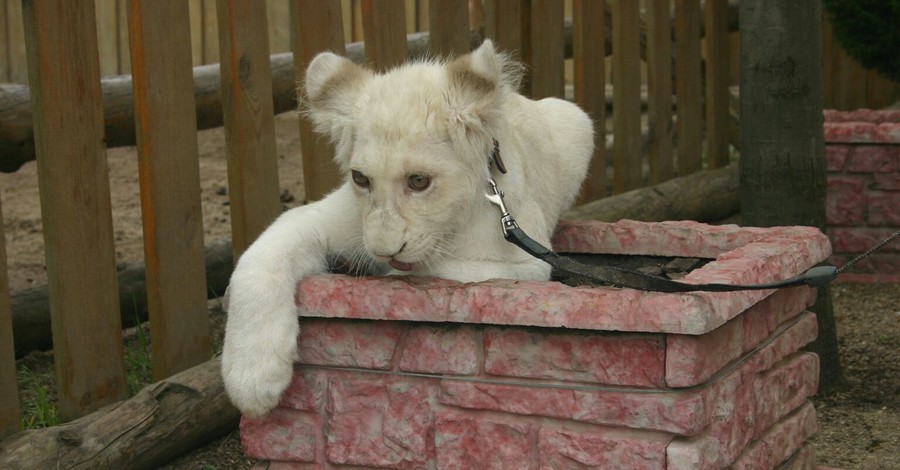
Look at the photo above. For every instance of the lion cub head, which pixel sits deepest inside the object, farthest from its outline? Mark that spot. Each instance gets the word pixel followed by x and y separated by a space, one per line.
pixel 414 143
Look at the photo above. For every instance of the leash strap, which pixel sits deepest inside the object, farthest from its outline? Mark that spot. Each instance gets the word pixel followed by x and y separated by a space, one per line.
pixel 620 277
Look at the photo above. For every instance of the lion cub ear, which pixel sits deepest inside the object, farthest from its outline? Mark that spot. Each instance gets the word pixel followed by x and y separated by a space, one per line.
pixel 478 82
pixel 333 86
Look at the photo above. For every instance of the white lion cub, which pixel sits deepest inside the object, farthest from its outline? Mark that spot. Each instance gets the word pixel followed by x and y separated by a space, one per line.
pixel 414 143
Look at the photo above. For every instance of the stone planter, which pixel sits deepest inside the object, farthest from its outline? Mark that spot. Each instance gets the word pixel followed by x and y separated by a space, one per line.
pixel 428 373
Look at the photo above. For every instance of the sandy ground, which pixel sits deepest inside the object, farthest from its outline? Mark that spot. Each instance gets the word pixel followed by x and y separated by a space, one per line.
pixel 858 425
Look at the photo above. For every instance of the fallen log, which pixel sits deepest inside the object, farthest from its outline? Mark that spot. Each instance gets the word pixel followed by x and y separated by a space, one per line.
pixel 705 196
pixel 163 421
pixel 31 307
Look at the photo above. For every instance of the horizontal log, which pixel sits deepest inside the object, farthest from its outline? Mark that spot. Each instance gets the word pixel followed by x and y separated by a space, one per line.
pixel 31 307
pixel 704 196
pixel 163 421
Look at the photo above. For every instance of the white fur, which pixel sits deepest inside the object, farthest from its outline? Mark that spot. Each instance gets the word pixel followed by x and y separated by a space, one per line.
pixel 428 118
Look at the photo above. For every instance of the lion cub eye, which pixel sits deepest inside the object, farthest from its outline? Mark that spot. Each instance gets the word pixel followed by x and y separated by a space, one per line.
pixel 360 179
pixel 418 182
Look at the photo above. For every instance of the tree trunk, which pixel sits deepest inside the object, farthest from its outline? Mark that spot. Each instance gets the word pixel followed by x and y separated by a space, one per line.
pixel 160 423
pixel 782 166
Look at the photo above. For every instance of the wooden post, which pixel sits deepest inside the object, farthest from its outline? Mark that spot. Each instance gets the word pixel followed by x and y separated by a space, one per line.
pixel 253 190
pixel 448 23
pixel 507 23
pixel 319 28
pixel 64 74
pixel 589 57
pixel 659 90
pixel 687 86
pixel 384 28
pixel 547 49
pixel 626 30
pixel 168 165
pixel 9 407
pixel 716 12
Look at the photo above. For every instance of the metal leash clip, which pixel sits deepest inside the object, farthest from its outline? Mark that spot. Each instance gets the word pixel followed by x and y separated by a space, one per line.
pixel 507 221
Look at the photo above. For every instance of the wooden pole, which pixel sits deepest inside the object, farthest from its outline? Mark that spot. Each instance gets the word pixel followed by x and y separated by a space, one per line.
pixel 627 96
pixel 9 407
pixel 64 74
pixel 169 170
pixel 319 28
pixel 249 120
pixel 589 57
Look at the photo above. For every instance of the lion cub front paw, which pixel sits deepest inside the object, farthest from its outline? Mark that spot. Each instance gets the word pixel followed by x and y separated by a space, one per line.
pixel 256 388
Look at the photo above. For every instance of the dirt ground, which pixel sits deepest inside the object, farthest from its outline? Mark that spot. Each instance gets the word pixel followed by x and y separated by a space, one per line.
pixel 859 425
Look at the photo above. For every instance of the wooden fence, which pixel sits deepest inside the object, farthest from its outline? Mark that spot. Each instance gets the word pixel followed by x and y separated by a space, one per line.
pixel 614 44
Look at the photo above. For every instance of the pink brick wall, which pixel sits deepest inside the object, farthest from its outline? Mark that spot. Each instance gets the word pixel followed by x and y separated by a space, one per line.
pixel 862 149
pixel 428 373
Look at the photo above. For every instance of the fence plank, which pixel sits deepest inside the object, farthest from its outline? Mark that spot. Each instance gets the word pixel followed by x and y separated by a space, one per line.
pixel 626 71
pixel 384 29
pixel 9 407
pixel 448 23
pixel 687 86
pixel 278 13
pixel 210 32
pixel 18 63
pixel 589 79
pixel 4 48
pixel 249 121
pixel 64 71
pixel 659 90
pixel 547 49
pixel 716 12
pixel 318 26
pixel 168 164
pixel 123 48
pixel 506 22
pixel 108 36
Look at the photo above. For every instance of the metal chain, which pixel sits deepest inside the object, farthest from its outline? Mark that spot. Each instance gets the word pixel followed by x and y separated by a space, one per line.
pixel 849 264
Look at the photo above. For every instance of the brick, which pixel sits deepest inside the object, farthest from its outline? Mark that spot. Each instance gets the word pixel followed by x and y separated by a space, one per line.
pixel 783 389
pixel 285 435
pixel 884 209
pixel 379 421
pixel 782 306
pixel 699 453
pixel 887 132
pixel 464 442
pixel 580 356
pixel 368 345
pixel 845 201
pixel 269 465
pixel 860 239
pixel 873 159
pixel 306 392
pixel 691 360
pixel 862 115
pixel 781 440
pixel 803 459
pixel 442 349
pixel 855 132
pixel 836 156
pixel 886 181
pixel 606 448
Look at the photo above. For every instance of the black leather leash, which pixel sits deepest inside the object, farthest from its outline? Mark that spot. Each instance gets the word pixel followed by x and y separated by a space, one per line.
pixel 620 277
